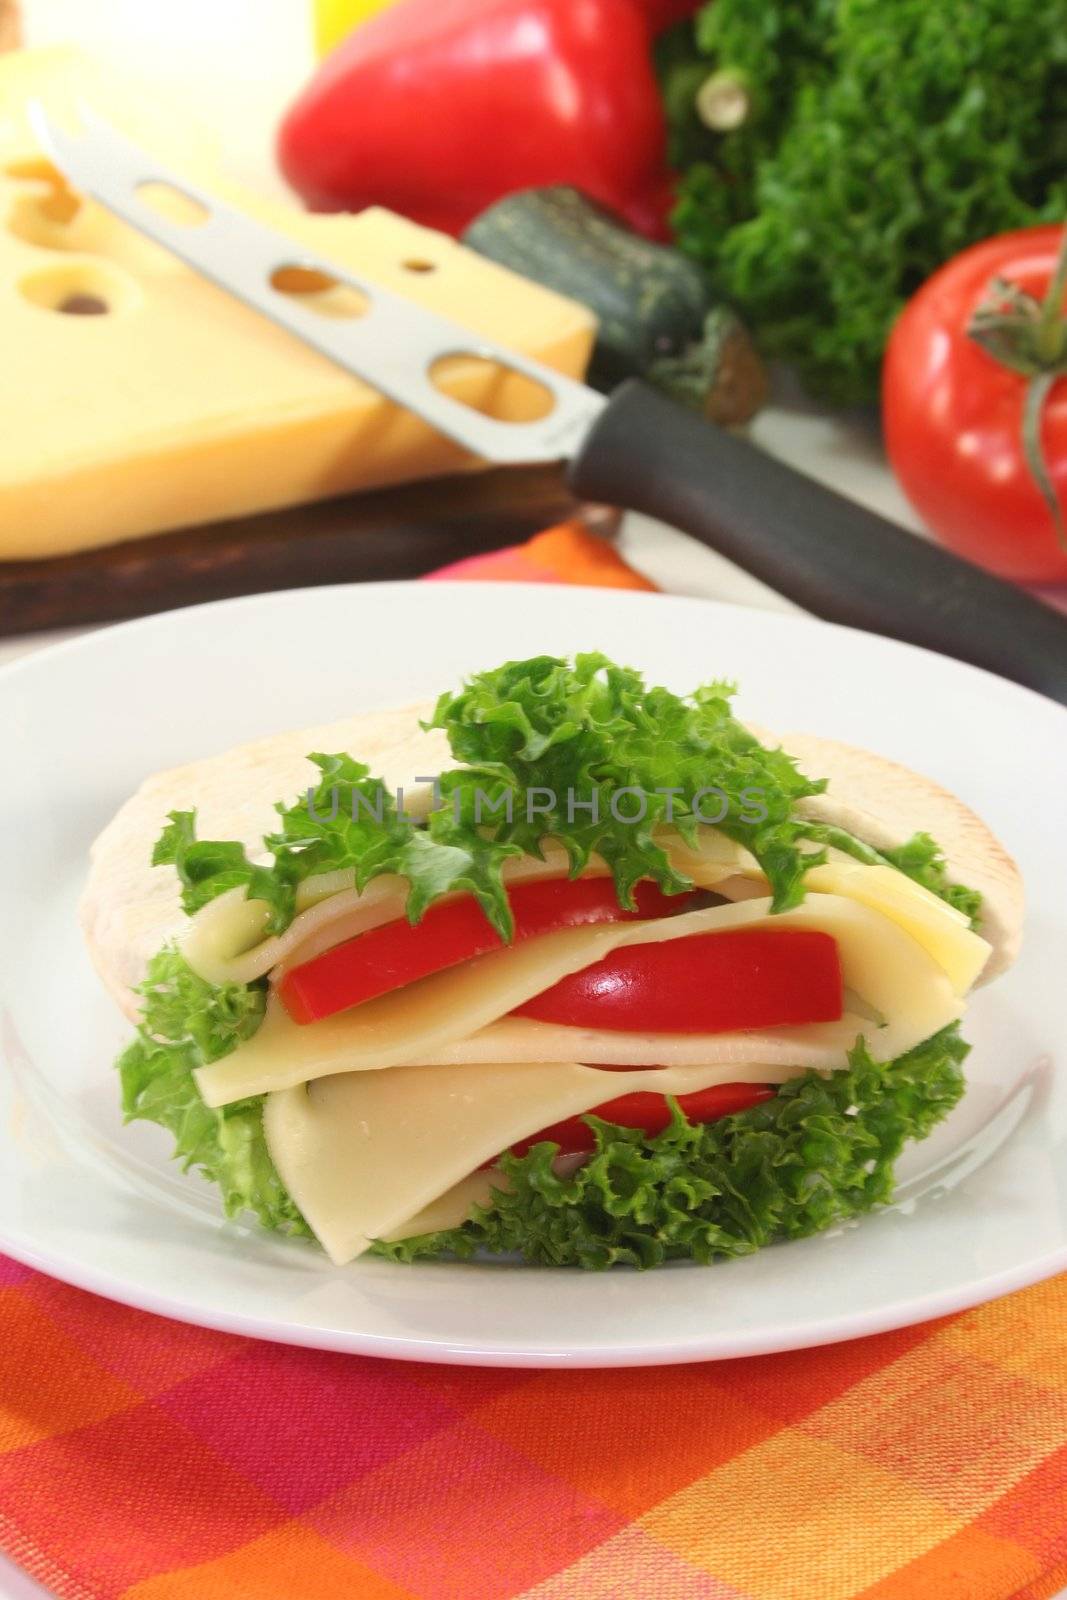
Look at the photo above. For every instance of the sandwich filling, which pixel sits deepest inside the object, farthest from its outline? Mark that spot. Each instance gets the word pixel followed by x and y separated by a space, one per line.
pixel 588 1031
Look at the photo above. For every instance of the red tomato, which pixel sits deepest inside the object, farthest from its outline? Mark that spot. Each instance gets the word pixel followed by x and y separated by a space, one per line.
pixel 649 1112
pixel 953 416
pixel 707 983
pixel 398 953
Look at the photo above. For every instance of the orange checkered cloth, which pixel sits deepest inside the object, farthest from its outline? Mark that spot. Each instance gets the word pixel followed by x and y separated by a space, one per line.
pixel 148 1460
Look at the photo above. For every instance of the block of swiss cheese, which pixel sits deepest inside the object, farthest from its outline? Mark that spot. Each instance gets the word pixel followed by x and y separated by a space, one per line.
pixel 175 405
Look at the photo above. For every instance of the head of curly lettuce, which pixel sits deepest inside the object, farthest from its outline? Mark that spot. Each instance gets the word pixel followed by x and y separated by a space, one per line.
pixel 880 137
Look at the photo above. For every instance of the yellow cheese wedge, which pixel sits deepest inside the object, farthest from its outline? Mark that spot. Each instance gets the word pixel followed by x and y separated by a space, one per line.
pixel 174 405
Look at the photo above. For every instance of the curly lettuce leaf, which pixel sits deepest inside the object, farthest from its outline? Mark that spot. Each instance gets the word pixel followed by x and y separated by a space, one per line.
pixel 921 859
pixel 821 1152
pixel 585 753
pixel 207 868
pixel 546 748
pixel 577 738
pixel 351 820
pixel 188 1022
pixel 883 137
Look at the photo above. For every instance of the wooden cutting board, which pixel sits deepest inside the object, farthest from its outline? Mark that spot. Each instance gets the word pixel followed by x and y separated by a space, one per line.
pixel 390 533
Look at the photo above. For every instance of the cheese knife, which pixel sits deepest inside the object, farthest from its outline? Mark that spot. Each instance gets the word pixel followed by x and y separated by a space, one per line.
pixel 635 449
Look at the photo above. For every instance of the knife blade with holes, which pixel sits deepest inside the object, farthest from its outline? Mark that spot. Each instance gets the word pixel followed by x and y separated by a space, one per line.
pixel 635 449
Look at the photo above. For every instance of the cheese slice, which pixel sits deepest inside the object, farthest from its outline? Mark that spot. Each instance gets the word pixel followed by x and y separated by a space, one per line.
pixel 435 1020
pixel 178 405
pixel 225 940
pixel 363 1153
pixel 941 930
pixel 823 1045
pixel 454 1206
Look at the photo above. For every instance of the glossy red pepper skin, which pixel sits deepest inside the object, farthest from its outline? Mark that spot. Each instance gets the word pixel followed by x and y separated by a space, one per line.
pixel 707 983
pixel 648 1112
pixel 398 953
pixel 436 108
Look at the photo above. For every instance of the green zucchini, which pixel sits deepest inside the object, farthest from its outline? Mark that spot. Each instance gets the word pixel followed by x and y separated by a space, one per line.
pixel 656 317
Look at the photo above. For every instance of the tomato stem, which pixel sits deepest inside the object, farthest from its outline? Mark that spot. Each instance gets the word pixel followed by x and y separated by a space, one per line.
pixel 1052 327
pixel 1029 336
pixel 1037 392
pixel 1052 343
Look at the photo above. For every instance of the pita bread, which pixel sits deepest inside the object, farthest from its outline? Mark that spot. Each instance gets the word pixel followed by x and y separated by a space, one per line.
pixel 883 804
pixel 130 909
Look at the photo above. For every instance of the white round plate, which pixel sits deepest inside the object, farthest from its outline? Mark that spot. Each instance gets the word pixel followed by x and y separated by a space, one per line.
pixel 982 1204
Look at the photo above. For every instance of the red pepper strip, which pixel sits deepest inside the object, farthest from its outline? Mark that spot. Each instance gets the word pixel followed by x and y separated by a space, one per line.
pixel 706 983
pixel 437 108
pixel 397 953
pixel 650 1112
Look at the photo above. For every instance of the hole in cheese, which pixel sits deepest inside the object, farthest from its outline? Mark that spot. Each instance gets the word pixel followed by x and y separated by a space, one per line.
pixel 319 291
pixel 417 264
pixel 84 305
pixel 79 289
pixel 172 204
pixel 491 388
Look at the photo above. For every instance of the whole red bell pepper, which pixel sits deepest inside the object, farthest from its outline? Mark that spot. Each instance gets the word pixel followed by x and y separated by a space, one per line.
pixel 436 108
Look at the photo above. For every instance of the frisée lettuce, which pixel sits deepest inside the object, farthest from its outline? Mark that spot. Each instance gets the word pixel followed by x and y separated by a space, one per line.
pixel 818 1154
pixel 578 736
pixel 186 1023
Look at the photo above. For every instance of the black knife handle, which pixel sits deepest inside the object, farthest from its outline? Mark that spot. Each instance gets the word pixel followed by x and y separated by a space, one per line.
pixel 830 555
